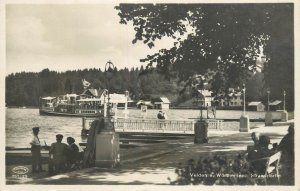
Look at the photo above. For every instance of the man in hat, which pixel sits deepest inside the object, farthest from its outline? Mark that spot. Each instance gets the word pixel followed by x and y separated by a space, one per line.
pixel 58 152
pixel 36 151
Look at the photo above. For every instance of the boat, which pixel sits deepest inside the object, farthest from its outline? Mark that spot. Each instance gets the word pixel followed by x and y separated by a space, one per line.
pixel 88 104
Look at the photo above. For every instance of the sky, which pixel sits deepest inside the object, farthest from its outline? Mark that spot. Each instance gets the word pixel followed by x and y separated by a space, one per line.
pixel 65 37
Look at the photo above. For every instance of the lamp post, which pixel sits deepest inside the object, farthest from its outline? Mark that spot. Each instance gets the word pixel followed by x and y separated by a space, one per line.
pixel 244 119
pixel 201 125
pixel 284 100
pixel 105 92
pixel 109 70
pixel 244 100
pixel 126 103
pixel 268 117
pixel 284 115
pixel 107 146
pixel 268 92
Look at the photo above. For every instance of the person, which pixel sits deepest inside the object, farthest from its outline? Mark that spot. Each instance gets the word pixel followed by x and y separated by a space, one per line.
pixel 257 155
pixel 160 115
pixel 286 146
pixel 255 139
pixel 36 151
pixel 73 155
pixel 58 152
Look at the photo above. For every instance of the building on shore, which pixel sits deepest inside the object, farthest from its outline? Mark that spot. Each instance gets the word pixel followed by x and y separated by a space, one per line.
pixel 276 105
pixel 146 103
pixel 162 103
pixel 206 96
pixel 234 98
pixel 256 106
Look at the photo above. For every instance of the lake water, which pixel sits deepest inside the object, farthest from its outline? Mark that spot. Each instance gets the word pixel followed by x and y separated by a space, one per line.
pixel 20 121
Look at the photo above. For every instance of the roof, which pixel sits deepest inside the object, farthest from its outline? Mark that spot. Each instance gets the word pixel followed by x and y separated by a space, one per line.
pixel 71 95
pixel 117 98
pixel 165 100
pixel 255 103
pixel 144 103
pixel 205 93
pixel 48 98
pixel 276 102
pixel 89 99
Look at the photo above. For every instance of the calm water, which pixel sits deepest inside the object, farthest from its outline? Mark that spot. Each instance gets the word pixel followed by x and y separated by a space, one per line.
pixel 20 121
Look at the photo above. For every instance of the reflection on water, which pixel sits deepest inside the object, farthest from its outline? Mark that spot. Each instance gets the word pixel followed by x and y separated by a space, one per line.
pixel 20 121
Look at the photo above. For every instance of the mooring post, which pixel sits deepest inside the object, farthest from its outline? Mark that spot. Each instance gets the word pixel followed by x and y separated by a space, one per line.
pixel 84 131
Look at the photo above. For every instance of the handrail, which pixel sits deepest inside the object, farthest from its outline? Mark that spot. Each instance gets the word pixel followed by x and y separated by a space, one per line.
pixel 156 125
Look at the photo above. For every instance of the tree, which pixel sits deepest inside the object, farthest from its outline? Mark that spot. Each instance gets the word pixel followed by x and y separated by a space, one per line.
pixel 228 38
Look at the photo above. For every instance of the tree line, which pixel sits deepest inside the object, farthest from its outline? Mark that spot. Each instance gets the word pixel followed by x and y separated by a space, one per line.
pixel 25 88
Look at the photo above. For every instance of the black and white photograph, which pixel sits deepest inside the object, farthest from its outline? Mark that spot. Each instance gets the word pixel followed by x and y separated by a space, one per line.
pixel 128 93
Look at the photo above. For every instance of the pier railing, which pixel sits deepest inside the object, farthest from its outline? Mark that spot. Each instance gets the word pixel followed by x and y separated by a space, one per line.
pixel 156 125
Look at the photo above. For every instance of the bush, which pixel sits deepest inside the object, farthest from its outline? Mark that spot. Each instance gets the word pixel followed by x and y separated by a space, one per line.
pixel 215 170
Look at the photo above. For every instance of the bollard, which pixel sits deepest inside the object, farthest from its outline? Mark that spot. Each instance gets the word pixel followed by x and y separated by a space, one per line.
pixel 201 132
pixel 107 145
pixel 107 150
pixel 284 116
pixel 84 131
pixel 268 119
pixel 244 124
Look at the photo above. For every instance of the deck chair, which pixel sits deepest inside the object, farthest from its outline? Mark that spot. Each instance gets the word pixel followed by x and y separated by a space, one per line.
pixel 271 172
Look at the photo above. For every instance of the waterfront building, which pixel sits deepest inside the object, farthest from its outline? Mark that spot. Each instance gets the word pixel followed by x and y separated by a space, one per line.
pixel 162 103
pixel 276 105
pixel 256 106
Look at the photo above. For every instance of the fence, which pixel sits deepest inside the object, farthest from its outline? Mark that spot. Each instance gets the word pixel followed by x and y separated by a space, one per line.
pixel 156 125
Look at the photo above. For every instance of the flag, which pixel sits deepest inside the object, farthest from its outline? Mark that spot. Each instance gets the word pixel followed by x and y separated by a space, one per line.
pixel 85 83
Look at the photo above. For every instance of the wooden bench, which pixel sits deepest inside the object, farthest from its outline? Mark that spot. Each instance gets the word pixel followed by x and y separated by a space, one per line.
pixel 272 168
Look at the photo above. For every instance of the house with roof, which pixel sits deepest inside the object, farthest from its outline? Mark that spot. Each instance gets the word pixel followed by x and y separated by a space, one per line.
pixel 234 98
pixel 276 105
pixel 162 103
pixel 206 97
pixel 256 106
pixel 146 103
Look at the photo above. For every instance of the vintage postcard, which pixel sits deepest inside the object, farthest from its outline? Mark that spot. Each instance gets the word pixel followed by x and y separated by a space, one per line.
pixel 149 95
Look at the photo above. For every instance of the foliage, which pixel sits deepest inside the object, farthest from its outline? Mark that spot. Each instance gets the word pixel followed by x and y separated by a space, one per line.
pixel 215 170
pixel 227 38
pixel 24 89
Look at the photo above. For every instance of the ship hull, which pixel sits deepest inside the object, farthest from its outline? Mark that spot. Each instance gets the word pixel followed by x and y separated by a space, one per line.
pixel 53 113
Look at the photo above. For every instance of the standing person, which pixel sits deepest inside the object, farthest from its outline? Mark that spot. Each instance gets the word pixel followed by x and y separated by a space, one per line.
pixel 58 152
pixel 36 151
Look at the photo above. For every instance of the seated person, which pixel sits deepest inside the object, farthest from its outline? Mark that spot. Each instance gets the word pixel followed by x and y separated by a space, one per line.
pixel 58 152
pixel 286 146
pixel 255 139
pixel 73 154
pixel 257 156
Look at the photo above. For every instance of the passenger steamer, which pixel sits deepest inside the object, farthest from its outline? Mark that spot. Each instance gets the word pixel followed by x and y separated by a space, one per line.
pixel 88 104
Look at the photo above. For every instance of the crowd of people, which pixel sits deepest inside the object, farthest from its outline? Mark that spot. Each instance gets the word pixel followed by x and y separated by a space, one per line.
pixel 62 156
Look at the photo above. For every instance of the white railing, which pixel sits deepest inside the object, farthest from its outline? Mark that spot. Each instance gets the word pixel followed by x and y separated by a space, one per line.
pixel 156 125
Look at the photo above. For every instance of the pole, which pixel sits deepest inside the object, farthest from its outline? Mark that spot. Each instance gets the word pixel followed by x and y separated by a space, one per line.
pixel 268 100
pixel 284 100
pixel 244 92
